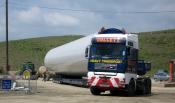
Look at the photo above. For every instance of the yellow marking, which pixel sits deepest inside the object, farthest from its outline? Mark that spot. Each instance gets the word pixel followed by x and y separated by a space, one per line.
pixel 106 61
pixel 95 61
pixel 111 61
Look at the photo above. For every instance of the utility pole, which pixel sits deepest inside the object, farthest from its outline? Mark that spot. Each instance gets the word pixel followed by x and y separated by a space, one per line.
pixel 7 41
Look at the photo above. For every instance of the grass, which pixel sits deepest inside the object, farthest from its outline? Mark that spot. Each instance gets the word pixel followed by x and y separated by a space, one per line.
pixel 157 47
pixel 33 49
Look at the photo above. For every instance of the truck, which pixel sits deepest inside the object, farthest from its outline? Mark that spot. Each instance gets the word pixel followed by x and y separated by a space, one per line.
pixel 114 64
pixel 103 61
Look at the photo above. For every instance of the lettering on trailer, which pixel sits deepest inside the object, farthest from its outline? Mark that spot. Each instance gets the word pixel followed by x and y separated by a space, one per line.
pixel 108 40
pixel 105 61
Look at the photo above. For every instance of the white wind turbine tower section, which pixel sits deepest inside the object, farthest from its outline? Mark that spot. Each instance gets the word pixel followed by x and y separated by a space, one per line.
pixel 69 59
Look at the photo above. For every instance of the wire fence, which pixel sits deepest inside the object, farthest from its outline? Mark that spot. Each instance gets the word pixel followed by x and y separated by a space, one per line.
pixel 17 85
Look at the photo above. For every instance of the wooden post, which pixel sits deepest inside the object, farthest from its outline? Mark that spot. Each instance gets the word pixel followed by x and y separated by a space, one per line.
pixel 171 71
pixel 7 40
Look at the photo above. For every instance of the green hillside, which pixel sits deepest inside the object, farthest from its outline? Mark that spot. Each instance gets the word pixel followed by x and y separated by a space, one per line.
pixel 33 49
pixel 157 47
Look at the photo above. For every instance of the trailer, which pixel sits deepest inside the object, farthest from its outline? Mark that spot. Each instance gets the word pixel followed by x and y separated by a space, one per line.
pixel 68 62
pixel 70 80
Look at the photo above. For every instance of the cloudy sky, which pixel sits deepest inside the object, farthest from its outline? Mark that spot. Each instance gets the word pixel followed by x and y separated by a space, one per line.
pixel 38 18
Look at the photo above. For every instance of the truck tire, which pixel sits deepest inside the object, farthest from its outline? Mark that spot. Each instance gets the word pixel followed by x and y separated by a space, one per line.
pixel 131 88
pixel 95 91
pixel 114 92
pixel 141 90
pixel 148 86
pixel 144 88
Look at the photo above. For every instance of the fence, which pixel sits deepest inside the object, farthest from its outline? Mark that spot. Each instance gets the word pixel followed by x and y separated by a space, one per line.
pixel 17 84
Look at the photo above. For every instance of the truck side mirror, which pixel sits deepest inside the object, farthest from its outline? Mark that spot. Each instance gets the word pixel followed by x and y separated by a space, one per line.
pixel 87 52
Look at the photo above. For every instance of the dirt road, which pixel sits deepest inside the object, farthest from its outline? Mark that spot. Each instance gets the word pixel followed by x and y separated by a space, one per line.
pixel 49 92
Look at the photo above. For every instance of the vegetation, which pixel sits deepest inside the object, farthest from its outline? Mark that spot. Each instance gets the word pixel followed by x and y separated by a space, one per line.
pixel 33 50
pixel 157 47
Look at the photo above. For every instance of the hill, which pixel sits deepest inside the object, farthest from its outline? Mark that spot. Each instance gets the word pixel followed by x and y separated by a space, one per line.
pixel 157 47
pixel 33 49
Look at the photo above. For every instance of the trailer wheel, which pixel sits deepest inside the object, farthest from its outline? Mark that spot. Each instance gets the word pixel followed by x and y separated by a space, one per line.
pixel 95 91
pixel 131 88
pixel 60 82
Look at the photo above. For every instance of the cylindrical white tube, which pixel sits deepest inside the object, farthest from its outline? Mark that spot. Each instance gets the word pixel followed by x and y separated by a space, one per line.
pixel 69 58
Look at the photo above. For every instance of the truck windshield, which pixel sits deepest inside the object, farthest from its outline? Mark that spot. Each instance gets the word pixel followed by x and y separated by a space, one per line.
pixel 107 50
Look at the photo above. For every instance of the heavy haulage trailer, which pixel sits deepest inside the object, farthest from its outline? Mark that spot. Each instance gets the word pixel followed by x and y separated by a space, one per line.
pixel 111 63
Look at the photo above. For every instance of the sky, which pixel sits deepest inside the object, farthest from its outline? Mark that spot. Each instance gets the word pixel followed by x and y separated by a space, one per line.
pixel 40 18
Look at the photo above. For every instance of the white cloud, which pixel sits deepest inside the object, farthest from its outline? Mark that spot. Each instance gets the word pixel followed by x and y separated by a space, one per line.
pixel 32 21
pixel 32 15
pixel 35 15
pixel 58 19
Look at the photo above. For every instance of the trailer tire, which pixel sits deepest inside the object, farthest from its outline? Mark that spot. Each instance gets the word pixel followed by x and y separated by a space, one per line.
pixel 60 82
pixel 131 88
pixel 95 91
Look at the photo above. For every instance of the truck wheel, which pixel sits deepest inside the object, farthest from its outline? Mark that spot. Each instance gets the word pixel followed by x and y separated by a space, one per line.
pixel 131 88
pixel 95 91
pixel 141 90
pixel 148 86
pixel 114 92
pixel 144 86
